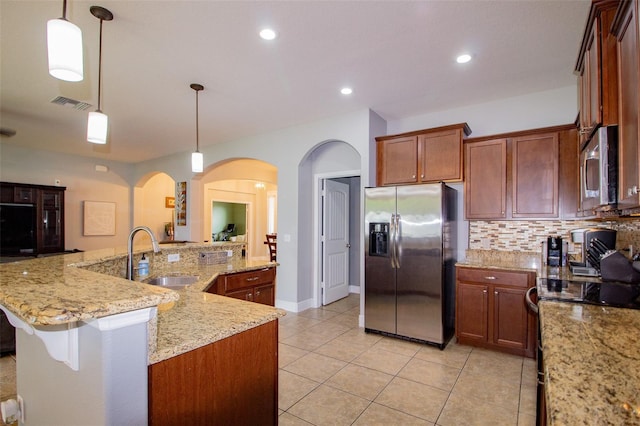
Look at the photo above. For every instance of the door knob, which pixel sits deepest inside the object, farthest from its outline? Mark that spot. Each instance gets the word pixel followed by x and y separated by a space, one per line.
pixel 348 245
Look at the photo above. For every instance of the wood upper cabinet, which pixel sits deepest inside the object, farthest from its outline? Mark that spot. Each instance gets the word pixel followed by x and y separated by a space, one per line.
pixel 597 68
pixel 491 311
pixel 253 286
pixel 522 175
pixel 535 176
pixel 441 156
pixel 485 186
pixel 627 32
pixel 432 155
pixel 397 160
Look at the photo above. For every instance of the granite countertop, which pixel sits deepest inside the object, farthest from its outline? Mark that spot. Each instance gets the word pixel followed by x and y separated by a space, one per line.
pixel 45 291
pixel 591 363
pixel 64 289
pixel 199 318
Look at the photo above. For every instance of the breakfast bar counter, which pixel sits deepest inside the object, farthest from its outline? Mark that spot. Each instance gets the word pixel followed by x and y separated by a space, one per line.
pixel 80 323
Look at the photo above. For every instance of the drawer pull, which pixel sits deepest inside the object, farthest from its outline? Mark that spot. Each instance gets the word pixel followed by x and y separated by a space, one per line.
pixel 490 278
pixel 253 278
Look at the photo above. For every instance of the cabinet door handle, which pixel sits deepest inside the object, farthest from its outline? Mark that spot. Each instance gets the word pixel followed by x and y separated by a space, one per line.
pixel 490 278
pixel 413 176
pixel 248 296
pixel 632 191
pixel 422 176
pixel 484 291
pixel 495 292
pixel 252 278
pixel 257 293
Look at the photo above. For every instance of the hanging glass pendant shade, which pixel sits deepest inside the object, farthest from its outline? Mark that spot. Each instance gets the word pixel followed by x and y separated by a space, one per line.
pixel 64 44
pixel 97 127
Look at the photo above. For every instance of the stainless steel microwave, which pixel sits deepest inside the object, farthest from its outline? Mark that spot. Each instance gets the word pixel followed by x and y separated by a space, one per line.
pixel 599 169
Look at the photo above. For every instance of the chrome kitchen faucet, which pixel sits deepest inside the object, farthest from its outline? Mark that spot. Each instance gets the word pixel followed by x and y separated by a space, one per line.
pixel 154 242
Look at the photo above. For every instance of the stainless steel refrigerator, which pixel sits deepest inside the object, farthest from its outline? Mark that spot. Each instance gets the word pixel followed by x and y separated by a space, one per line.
pixel 410 261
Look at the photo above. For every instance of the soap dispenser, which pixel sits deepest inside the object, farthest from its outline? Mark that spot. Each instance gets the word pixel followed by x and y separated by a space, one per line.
pixel 143 266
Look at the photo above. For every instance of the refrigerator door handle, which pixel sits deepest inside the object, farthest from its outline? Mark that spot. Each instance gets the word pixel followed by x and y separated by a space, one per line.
pixel 396 243
pixel 393 241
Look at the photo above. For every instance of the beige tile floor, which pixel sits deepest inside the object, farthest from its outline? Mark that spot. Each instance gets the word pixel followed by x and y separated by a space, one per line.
pixel 333 373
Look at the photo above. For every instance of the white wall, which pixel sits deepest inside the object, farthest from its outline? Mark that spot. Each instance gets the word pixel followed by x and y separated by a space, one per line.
pixel 284 149
pixel 541 109
pixel 83 183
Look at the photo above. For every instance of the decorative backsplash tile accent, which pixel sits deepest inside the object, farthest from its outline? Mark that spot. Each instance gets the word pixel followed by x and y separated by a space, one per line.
pixel 507 235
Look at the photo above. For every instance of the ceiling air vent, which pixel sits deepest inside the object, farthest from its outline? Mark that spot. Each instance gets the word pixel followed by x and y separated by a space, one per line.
pixel 70 103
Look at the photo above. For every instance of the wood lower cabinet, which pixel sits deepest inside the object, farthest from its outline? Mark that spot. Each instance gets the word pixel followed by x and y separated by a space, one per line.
pixel 491 311
pixel 627 31
pixel 253 286
pixel 431 155
pixel 230 382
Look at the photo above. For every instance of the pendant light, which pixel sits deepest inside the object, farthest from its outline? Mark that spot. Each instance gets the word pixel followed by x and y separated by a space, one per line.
pixel 98 123
pixel 197 159
pixel 64 44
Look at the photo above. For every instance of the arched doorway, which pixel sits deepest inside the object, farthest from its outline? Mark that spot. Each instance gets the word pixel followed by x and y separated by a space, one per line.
pixel 335 161
pixel 238 185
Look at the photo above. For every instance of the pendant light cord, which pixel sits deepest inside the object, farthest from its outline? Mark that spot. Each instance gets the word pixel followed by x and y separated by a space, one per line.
pixel 197 126
pixel 64 9
pixel 100 67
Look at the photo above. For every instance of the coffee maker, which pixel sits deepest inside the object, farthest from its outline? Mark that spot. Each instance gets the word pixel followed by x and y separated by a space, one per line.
pixel 554 251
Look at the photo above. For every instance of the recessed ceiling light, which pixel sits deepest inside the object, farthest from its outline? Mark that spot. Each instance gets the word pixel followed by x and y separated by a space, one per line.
pixel 346 90
pixel 268 34
pixel 463 59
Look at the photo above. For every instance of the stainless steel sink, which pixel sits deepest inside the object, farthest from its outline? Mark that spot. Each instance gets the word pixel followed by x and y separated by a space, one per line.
pixel 175 282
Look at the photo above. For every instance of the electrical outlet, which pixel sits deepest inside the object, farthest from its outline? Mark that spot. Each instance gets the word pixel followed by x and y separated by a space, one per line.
pixel 229 253
pixel 173 257
pixel 485 242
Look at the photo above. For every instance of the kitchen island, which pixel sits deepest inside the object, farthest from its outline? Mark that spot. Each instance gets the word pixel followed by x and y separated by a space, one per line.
pixel 102 334
pixel 591 363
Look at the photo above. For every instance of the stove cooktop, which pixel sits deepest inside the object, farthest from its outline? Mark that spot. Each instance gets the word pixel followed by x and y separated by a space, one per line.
pixel 614 294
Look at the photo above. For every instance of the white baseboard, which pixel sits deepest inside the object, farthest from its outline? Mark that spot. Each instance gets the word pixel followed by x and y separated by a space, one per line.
pixel 294 306
pixel 354 289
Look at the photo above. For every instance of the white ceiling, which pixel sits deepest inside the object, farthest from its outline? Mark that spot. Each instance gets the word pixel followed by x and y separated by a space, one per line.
pixel 399 57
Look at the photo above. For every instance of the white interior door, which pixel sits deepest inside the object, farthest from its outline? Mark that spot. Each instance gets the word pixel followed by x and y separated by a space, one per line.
pixel 335 241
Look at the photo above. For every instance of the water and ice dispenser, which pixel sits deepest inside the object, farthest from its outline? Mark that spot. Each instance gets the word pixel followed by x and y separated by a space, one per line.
pixel 378 238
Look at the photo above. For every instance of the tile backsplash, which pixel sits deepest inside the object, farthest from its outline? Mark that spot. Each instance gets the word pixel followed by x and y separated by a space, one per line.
pixel 528 235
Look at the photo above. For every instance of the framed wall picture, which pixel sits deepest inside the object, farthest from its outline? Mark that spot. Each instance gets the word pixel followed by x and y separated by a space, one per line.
pixel 99 218
pixel 170 202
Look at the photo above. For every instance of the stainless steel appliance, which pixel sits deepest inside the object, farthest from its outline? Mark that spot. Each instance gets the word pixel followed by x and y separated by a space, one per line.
pixel 409 261
pixel 599 169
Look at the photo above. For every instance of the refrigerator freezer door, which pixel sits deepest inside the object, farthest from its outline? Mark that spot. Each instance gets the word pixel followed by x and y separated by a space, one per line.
pixel 380 276
pixel 419 275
